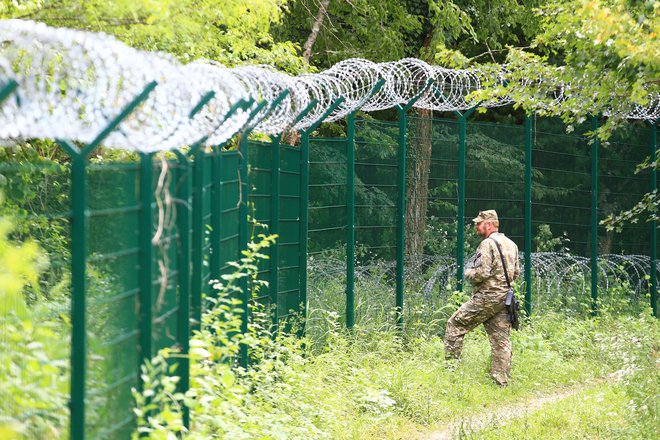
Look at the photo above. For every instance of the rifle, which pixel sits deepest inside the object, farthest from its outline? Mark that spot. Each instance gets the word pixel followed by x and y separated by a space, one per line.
pixel 511 302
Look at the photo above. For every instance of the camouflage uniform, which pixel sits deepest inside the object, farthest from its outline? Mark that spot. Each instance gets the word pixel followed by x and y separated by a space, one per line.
pixel 487 304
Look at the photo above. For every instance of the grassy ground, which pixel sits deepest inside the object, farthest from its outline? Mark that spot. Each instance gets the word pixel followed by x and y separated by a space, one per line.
pixel 377 385
pixel 596 413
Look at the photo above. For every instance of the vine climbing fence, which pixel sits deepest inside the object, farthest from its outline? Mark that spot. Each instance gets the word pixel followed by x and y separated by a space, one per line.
pixel 134 245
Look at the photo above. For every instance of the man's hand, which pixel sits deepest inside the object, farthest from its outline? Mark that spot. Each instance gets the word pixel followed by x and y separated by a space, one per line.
pixel 469 275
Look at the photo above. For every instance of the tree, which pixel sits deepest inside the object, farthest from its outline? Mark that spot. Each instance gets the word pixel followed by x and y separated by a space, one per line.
pixel 604 53
pixel 605 56
pixel 229 31
pixel 432 30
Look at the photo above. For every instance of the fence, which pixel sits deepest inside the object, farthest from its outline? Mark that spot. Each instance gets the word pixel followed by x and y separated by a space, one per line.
pixel 535 175
pixel 143 239
pixel 143 280
pixel 148 235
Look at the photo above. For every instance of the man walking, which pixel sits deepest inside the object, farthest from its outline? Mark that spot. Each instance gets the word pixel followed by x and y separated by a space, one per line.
pixel 487 302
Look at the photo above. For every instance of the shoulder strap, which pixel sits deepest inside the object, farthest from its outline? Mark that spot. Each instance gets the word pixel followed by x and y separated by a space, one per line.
pixel 506 275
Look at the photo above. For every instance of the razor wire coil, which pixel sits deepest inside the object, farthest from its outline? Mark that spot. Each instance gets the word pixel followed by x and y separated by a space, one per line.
pixel 73 83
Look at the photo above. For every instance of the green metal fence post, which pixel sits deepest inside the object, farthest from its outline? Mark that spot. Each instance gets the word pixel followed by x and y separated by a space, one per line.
pixel 183 216
pixel 401 214
pixel 146 257
pixel 276 142
pixel 350 220
pixel 198 227
pixel 304 224
pixel 79 225
pixel 275 207
pixel 243 227
pixel 184 202
pixel 190 258
pixel 594 216
pixel 460 217
pixel 243 239
pixel 304 204
pixel 216 191
pixel 654 225
pixel 273 284
pixel 529 143
pixel 401 200
pixel 8 89
pixel 198 230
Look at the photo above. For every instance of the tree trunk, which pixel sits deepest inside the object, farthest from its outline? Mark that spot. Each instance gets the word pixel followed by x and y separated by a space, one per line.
pixel 316 27
pixel 418 170
pixel 417 183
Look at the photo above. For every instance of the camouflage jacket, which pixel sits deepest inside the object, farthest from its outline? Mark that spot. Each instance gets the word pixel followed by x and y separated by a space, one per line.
pixel 487 275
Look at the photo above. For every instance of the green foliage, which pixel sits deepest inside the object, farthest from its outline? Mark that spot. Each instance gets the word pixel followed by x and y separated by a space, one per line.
pixel 36 190
pixel 390 30
pixel 646 208
pixel 441 236
pixel 158 406
pixel 230 32
pixel 499 24
pixel 34 372
pixel 362 28
pixel 608 52
pixel 546 242
pixel 18 267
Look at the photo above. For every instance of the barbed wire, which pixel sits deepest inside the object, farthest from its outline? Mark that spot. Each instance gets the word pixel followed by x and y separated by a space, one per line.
pixel 72 84
pixel 559 281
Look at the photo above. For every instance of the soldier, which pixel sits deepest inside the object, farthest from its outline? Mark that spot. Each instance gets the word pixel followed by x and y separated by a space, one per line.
pixel 487 302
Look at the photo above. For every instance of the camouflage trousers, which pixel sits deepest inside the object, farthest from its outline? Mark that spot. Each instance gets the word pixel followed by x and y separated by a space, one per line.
pixel 487 309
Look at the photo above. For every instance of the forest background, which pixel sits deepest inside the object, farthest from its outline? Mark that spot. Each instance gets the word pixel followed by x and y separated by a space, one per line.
pixel 607 49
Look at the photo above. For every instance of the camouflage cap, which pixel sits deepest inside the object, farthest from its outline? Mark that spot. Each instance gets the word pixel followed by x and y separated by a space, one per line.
pixel 484 216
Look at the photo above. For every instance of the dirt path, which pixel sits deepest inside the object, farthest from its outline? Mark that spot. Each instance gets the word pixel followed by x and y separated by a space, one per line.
pixel 504 414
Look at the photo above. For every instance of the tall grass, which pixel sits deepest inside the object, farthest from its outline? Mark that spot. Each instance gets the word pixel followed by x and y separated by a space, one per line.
pixel 377 383
pixel 373 382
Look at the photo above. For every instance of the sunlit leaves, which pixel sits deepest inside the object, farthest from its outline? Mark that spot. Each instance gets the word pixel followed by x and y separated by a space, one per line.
pixel 18 267
pixel 230 31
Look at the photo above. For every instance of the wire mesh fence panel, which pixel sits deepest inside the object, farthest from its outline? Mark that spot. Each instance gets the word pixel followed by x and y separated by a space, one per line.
pixel 495 177
pixel 327 194
pixel 34 326
pixel 561 187
pixel 289 295
pixel 165 272
pixel 621 187
pixel 327 233
pixel 260 178
pixel 229 215
pixel 431 212
pixel 376 190
pixel 562 214
pixel 376 171
pixel 433 158
pixel 112 292
pixel 431 216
